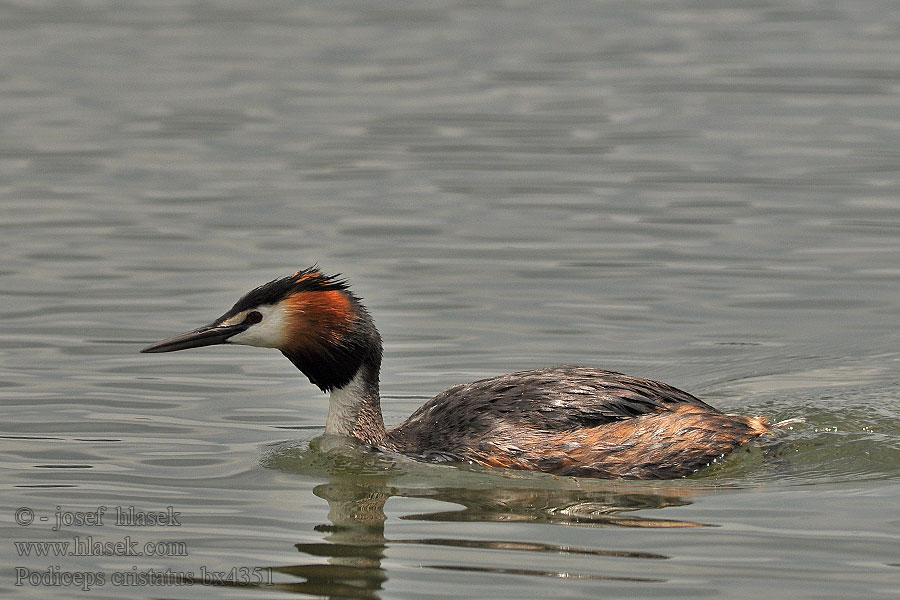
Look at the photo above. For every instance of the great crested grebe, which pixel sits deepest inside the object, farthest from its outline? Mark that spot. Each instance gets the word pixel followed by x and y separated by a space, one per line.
pixel 567 420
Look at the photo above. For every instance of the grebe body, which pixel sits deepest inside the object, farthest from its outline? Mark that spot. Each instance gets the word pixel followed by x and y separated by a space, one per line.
pixel 567 420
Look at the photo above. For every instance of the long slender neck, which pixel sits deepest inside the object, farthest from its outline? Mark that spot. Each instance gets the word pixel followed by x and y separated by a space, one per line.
pixel 339 350
pixel 355 409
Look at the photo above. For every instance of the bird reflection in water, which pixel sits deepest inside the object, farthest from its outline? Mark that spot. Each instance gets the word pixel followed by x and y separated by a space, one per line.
pixel 359 483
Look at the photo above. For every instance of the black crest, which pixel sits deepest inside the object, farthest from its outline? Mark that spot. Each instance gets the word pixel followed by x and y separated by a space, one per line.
pixel 307 280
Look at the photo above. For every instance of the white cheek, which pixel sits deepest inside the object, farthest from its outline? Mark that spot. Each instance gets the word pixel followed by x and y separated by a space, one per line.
pixel 268 333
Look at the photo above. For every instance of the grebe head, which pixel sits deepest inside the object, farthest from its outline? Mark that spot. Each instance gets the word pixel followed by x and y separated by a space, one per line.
pixel 312 318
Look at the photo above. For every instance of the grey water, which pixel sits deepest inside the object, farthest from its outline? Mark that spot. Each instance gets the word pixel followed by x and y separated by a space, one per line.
pixel 702 193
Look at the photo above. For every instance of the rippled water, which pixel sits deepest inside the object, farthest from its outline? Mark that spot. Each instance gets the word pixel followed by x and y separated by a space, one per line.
pixel 702 193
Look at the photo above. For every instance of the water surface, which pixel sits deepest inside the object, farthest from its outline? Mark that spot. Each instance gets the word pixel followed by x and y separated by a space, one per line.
pixel 700 193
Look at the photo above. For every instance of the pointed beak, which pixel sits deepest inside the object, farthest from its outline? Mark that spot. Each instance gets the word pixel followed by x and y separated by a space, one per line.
pixel 205 336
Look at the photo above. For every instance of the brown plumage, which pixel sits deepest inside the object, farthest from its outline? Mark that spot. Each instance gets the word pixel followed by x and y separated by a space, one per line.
pixel 567 420
pixel 572 420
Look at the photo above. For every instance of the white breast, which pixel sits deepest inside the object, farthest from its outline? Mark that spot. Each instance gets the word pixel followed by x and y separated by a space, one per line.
pixel 343 406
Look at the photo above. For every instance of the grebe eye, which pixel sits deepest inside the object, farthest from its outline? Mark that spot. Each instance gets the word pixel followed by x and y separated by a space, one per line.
pixel 253 317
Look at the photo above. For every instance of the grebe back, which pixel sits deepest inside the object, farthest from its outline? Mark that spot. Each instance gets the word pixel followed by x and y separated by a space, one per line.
pixel 567 420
